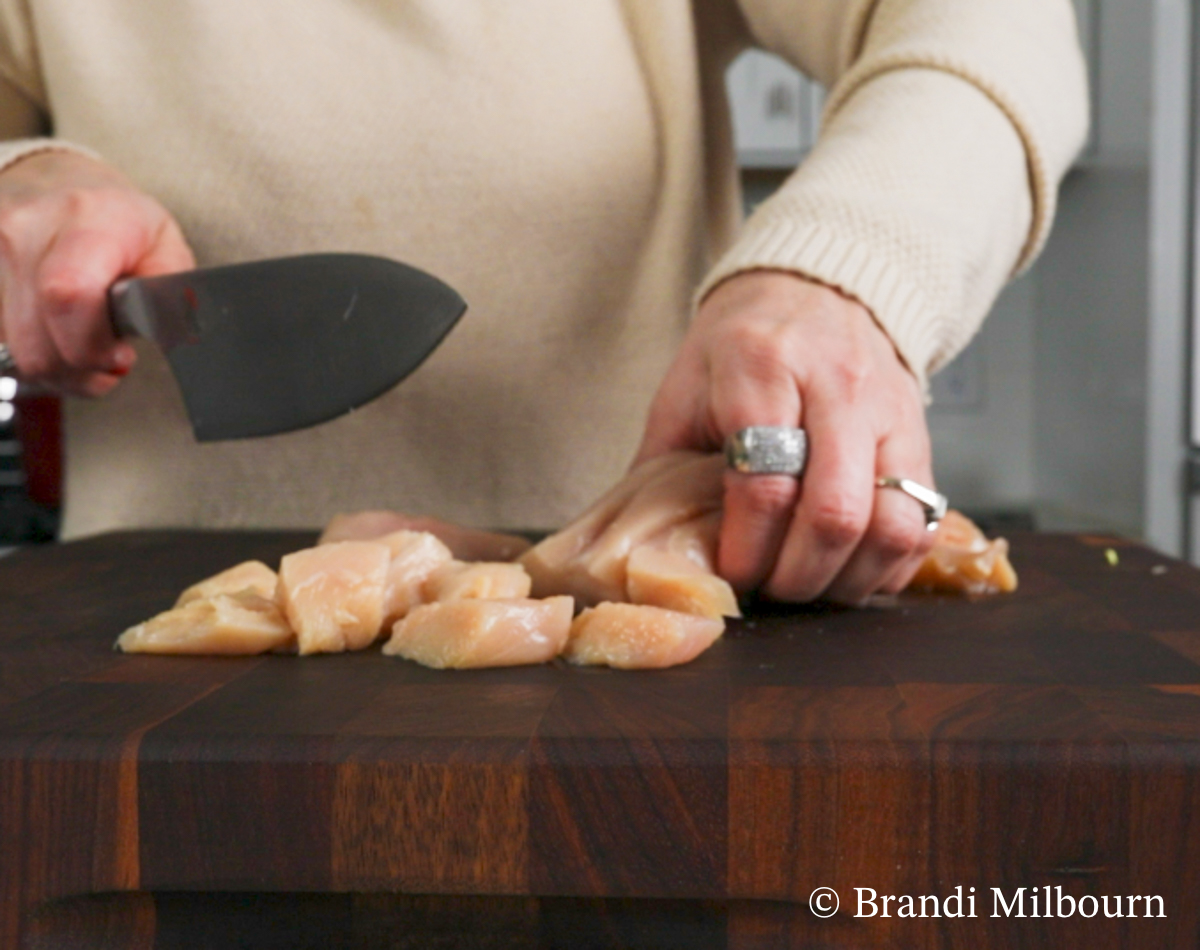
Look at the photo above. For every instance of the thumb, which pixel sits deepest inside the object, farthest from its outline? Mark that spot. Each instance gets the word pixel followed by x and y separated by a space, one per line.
pixel 163 251
pixel 166 252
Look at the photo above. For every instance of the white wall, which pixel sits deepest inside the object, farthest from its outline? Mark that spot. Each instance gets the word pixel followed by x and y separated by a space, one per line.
pixel 1061 358
pixel 981 421
pixel 1123 87
pixel 1090 354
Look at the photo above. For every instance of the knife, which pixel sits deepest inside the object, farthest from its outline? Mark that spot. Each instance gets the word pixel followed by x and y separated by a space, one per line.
pixel 276 345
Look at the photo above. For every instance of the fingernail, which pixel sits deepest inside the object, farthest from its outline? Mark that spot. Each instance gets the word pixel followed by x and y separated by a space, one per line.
pixel 123 358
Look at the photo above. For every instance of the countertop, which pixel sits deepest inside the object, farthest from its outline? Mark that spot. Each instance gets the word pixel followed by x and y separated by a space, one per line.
pixel 1049 738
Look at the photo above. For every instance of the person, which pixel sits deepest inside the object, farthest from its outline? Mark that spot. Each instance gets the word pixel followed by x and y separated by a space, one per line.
pixel 569 169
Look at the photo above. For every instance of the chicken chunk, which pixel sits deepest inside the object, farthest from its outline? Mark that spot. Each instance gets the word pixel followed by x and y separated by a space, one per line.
pixel 662 578
pixel 588 558
pixel 333 595
pixel 241 623
pixel 635 637
pixel 643 558
pixel 459 580
pixel 963 560
pixel 249 575
pixel 461 634
pixel 415 558
pixel 467 544
pixel 695 540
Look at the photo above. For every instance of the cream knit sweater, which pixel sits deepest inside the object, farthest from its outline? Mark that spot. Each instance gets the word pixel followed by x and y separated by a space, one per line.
pixel 567 166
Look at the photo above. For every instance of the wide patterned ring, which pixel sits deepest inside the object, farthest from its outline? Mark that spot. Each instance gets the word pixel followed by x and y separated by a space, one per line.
pixel 767 450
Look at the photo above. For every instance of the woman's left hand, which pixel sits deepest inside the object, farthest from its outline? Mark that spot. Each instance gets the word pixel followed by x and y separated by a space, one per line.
pixel 772 348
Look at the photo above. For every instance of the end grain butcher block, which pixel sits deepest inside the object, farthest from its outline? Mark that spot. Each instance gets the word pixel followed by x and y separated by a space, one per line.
pixel 1047 738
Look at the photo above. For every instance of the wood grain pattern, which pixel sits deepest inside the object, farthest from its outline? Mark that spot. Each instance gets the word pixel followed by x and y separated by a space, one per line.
pixel 1050 738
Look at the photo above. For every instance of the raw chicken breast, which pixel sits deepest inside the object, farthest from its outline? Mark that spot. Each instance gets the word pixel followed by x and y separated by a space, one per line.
pixel 416 556
pixel 468 544
pixel 249 575
pixel 459 580
pixel 964 560
pixel 651 539
pixel 662 578
pixel 695 540
pixel 333 595
pixel 632 637
pixel 555 563
pixel 462 634
pixel 232 624
pixel 587 558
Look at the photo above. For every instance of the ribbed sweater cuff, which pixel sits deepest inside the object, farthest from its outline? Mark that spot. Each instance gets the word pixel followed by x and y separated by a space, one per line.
pixel 851 267
pixel 13 151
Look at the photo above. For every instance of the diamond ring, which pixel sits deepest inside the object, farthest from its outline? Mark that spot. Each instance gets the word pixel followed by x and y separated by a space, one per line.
pixel 767 450
pixel 933 503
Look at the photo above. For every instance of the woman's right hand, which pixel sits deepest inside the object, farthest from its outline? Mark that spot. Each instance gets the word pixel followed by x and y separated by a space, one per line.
pixel 69 227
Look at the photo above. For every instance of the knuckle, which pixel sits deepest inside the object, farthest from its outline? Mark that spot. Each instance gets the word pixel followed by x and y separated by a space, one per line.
pixel 62 288
pixel 851 378
pixel 19 217
pixel 758 350
pixel 896 539
pixel 88 203
pixel 838 522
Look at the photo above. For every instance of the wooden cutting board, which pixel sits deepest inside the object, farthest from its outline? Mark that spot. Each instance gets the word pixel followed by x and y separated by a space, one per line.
pixel 1048 738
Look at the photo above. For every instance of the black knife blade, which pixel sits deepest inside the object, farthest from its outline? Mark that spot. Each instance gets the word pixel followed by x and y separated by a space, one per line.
pixel 272 346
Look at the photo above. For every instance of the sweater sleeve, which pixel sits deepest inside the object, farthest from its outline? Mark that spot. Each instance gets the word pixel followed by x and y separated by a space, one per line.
pixel 25 120
pixel 948 127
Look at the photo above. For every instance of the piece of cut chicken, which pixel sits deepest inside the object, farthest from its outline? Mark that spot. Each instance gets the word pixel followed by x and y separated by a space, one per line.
pixel 241 623
pixel 249 575
pixel 554 563
pixel 467 544
pixel 460 580
pixel 638 637
pixel 333 595
pixel 416 556
pixel 963 560
pixel 695 540
pixel 587 558
pixel 662 578
pixel 462 634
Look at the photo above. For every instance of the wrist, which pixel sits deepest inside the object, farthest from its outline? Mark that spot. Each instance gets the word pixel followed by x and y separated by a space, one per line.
pixel 44 151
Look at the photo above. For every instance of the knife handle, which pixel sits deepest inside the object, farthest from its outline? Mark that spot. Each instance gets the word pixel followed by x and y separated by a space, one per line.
pixel 161 309
pixel 123 305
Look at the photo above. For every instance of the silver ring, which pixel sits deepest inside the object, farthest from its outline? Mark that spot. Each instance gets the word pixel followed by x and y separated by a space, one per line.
pixel 767 450
pixel 8 366
pixel 933 503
